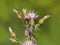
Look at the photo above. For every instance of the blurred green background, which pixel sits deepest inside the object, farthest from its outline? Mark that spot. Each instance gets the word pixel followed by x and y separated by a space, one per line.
pixel 50 29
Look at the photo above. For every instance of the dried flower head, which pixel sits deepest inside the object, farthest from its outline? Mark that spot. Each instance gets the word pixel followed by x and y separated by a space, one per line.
pixel 11 32
pixel 12 40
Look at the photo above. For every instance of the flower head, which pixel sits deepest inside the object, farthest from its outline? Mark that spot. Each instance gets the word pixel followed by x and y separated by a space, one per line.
pixel 29 42
pixel 26 32
pixel 32 15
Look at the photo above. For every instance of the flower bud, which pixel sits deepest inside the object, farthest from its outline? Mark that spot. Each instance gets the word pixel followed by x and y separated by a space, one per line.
pixel 36 26
pixel 46 17
pixel 11 32
pixel 15 10
pixel 43 19
pixel 19 16
pixel 25 13
pixel 12 40
pixel 26 33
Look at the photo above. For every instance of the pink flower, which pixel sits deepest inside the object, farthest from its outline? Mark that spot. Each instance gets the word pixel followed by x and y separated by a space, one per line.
pixel 29 42
pixel 26 32
pixel 27 16
pixel 31 15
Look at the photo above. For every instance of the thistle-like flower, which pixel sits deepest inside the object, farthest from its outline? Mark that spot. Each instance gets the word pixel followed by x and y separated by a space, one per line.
pixel 11 32
pixel 29 42
pixel 29 15
pixel 30 25
pixel 32 15
pixel 26 32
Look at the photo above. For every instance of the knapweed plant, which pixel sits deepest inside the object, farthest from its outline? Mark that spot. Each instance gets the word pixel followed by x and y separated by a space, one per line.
pixel 27 18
